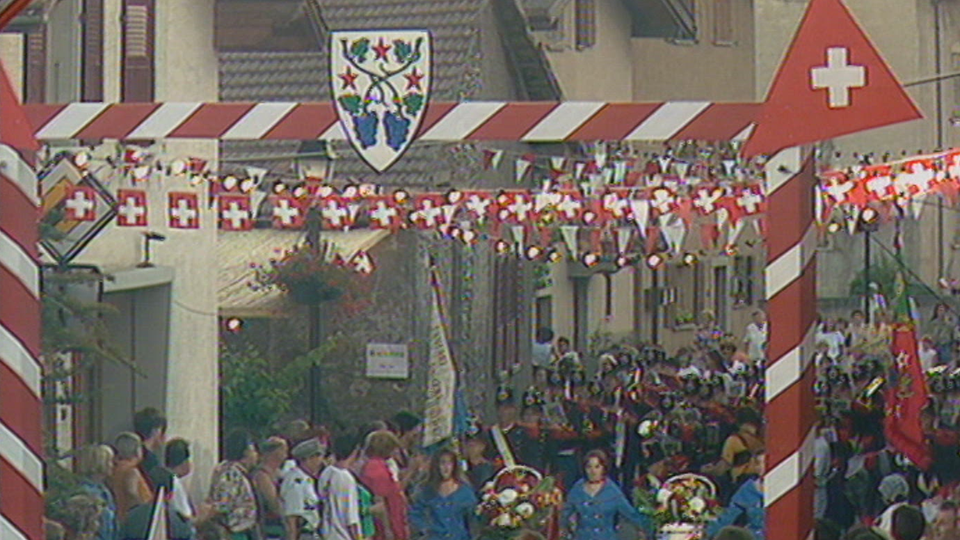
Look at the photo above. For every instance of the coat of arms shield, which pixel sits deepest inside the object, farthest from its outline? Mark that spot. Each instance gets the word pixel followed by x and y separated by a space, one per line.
pixel 380 82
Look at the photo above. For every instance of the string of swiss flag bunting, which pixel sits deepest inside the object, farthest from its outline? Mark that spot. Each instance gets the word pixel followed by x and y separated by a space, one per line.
pixel 649 208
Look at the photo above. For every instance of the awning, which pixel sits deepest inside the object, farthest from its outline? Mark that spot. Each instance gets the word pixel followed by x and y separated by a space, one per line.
pixel 238 251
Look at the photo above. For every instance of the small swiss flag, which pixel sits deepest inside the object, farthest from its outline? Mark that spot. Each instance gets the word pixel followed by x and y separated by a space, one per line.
pixel 234 212
pixel 833 82
pixel 131 208
pixel 183 210
pixel 80 204
pixel 288 212
pixel 384 213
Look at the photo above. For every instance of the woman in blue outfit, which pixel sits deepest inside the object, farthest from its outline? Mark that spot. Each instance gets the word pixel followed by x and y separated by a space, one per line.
pixel 595 503
pixel 746 507
pixel 445 502
pixel 94 465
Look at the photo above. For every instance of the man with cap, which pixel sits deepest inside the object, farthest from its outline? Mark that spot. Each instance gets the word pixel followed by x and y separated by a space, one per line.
pixel 298 491
pixel 895 491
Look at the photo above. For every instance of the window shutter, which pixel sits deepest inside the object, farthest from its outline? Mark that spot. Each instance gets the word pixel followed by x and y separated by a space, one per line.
pixel 92 66
pixel 35 72
pixel 723 33
pixel 585 22
pixel 138 50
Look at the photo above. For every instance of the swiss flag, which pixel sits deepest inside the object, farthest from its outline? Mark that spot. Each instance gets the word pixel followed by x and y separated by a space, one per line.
pixel 131 208
pixel 384 213
pixel 833 82
pixel 288 212
pixel 80 204
pixel 183 210
pixel 234 212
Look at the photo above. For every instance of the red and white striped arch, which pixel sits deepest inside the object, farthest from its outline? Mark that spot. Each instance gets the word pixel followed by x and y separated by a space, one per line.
pixel 444 121
pixel 21 469
pixel 790 275
pixel 791 292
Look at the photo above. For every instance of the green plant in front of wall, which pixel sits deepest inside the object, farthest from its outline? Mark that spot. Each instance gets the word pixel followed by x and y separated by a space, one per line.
pixel 883 279
pixel 256 394
pixel 542 276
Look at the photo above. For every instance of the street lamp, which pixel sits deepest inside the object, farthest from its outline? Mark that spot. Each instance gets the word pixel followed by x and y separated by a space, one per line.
pixel 655 298
pixel 867 224
pixel 316 162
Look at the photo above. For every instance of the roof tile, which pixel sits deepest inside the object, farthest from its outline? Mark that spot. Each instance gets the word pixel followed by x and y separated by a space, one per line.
pixel 297 76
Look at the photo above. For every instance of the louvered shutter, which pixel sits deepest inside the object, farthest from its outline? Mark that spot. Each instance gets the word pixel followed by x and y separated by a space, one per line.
pixel 138 50
pixel 35 65
pixel 92 68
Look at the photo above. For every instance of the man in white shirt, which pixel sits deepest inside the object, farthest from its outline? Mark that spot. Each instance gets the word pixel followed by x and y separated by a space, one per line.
pixel 301 505
pixel 542 354
pixel 756 336
pixel 337 489
pixel 177 459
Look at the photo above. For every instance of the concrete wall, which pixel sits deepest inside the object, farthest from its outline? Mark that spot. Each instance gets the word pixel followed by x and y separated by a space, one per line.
pixel 186 71
pixel 603 72
pixel 698 70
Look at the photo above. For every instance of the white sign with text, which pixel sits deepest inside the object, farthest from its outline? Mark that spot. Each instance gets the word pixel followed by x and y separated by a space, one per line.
pixel 387 361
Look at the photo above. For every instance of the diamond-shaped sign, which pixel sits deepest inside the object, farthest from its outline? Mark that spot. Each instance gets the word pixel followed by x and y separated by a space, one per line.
pixel 71 236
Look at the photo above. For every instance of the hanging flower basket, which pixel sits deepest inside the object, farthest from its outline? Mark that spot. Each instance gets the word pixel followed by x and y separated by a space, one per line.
pixel 307 276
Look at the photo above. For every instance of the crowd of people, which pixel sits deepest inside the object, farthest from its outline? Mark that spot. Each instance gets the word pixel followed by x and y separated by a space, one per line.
pixel 606 435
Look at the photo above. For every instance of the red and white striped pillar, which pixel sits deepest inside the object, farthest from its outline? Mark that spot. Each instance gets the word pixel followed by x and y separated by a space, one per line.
pixel 21 469
pixel 791 303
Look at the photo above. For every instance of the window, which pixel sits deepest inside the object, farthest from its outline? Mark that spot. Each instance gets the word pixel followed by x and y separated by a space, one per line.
pixel 723 28
pixel 544 312
pixel 138 35
pixel 507 313
pixel 744 276
pixel 720 295
pixel 585 22
pixel 955 61
pixel 685 294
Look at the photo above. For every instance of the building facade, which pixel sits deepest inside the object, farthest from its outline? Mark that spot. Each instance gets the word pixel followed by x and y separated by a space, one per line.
pixel 164 318
pixel 729 50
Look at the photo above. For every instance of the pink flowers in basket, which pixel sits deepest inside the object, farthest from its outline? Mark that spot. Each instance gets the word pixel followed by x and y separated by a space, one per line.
pixel 517 499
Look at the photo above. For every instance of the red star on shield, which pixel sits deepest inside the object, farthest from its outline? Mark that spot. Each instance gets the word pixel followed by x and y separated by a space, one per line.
pixel 349 79
pixel 381 49
pixel 414 78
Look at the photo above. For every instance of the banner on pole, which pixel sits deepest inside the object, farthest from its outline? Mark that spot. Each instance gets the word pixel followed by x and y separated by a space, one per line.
pixel 441 379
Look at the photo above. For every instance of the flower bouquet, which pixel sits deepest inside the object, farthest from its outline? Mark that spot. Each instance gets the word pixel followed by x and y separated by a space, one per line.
pixel 517 503
pixel 682 506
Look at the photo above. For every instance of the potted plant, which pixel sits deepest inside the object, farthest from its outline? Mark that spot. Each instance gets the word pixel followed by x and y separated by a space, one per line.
pixel 517 504
pixel 682 507
pixel 307 275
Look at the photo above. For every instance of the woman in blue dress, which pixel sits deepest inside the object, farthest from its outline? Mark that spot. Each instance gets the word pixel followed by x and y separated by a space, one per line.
pixel 746 508
pixel 595 503
pixel 445 502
